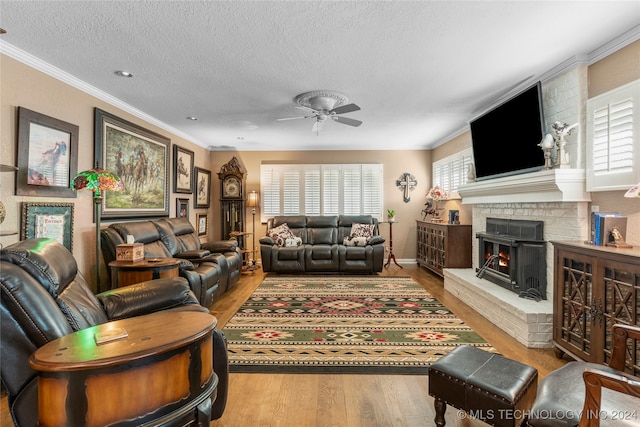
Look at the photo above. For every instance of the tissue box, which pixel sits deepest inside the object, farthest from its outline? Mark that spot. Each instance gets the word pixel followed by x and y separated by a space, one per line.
pixel 133 252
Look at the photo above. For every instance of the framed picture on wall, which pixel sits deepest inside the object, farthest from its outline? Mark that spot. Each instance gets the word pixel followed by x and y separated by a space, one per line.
pixel 52 220
pixel 141 159
pixel 182 170
pixel 203 224
pixel 47 155
pixel 202 185
pixel 182 208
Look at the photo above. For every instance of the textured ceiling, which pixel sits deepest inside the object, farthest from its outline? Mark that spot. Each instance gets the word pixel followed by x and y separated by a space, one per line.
pixel 419 70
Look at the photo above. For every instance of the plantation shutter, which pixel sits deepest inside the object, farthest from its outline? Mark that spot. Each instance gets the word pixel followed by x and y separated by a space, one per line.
pixel 331 191
pixel 321 190
pixel 450 172
pixel 351 188
pixel 312 192
pixel 270 186
pixel 291 192
pixel 612 128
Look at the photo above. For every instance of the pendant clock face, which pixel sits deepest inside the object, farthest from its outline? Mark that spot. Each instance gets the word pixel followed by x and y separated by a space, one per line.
pixel 231 187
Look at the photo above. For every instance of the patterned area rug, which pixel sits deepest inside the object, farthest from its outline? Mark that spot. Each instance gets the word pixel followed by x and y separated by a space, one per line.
pixel 343 324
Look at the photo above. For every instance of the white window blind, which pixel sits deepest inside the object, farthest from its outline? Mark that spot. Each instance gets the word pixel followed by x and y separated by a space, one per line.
pixel 450 172
pixel 350 189
pixel 612 139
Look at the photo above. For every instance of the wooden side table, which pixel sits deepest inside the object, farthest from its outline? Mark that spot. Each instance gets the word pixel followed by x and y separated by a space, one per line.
pixel 161 373
pixel 124 273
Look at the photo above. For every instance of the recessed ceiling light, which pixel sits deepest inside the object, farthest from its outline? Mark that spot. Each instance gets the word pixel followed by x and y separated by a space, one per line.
pixel 123 73
pixel 192 118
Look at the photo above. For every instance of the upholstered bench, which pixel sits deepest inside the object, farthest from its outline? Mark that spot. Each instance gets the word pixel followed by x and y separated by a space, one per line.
pixel 488 386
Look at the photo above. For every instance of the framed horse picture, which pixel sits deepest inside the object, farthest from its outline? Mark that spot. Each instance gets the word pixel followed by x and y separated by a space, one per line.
pixel 141 159
pixel 202 184
pixel 182 170
pixel 47 155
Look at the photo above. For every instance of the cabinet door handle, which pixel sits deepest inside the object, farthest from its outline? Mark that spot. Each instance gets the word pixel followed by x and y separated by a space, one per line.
pixel 596 311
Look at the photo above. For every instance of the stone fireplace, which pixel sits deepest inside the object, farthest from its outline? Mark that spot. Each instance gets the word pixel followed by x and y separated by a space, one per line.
pixel 556 198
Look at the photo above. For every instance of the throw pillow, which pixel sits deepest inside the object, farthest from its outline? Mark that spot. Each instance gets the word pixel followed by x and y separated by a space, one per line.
pixel 280 234
pixel 355 241
pixel 290 243
pixel 362 230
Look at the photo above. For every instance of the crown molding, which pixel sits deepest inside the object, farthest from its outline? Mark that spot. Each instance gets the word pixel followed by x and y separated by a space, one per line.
pixel 63 76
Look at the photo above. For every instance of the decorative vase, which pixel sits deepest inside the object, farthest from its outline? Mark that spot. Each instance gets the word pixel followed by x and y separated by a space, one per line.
pixel 391 218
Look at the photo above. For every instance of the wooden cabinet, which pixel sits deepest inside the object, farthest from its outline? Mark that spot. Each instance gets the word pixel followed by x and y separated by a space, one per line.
pixel 443 246
pixel 594 288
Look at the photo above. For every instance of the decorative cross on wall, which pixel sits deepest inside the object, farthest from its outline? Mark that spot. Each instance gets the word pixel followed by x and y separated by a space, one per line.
pixel 406 183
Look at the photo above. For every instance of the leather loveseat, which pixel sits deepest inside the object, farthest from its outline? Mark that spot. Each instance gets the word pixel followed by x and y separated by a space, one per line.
pixel 211 268
pixel 319 245
pixel 45 297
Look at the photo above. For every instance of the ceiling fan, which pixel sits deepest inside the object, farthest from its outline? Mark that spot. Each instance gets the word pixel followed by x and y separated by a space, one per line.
pixel 324 105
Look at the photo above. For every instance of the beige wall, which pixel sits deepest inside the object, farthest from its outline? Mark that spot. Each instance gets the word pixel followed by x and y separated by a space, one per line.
pixel 395 163
pixel 23 86
pixel 615 70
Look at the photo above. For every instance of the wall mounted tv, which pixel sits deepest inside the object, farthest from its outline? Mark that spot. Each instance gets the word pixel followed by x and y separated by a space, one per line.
pixel 505 139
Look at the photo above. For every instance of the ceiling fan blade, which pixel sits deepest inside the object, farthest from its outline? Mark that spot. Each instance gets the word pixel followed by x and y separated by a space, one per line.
pixel 345 109
pixel 347 121
pixel 293 118
pixel 317 126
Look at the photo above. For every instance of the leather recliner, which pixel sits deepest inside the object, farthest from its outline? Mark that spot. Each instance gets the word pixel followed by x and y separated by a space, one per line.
pixel 210 268
pixel 44 297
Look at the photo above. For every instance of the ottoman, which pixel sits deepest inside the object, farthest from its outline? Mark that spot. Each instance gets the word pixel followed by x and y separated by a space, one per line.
pixel 489 387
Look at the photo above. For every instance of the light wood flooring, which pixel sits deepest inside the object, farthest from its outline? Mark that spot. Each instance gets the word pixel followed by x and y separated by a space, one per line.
pixel 354 400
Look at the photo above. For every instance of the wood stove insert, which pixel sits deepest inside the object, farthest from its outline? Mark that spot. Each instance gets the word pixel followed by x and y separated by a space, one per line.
pixel 512 254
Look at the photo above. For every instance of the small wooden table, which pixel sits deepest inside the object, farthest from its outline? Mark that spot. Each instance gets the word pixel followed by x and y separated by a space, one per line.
pixel 161 373
pixel 124 273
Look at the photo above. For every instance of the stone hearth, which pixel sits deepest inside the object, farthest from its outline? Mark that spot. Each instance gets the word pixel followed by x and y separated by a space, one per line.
pixel 528 321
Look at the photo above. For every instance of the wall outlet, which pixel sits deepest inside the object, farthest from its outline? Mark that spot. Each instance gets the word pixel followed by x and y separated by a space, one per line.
pixel 386 248
pixel 595 208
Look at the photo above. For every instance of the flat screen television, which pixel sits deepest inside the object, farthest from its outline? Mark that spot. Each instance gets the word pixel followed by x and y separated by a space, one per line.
pixel 505 139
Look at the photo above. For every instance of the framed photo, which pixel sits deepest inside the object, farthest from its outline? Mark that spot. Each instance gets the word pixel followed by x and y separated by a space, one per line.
pixel 52 220
pixel 202 184
pixel 182 208
pixel 182 170
pixel 203 224
pixel 141 159
pixel 47 155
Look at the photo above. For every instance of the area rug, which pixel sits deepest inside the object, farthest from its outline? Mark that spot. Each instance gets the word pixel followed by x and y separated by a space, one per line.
pixel 343 324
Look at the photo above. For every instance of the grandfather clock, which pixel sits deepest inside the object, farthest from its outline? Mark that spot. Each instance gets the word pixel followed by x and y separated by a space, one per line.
pixel 232 199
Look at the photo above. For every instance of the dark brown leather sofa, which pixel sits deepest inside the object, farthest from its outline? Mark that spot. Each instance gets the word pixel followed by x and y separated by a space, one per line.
pixel 210 268
pixel 322 249
pixel 45 297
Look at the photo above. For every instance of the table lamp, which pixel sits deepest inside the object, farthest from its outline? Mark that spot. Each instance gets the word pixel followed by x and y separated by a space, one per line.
pixel 253 201
pixel 97 180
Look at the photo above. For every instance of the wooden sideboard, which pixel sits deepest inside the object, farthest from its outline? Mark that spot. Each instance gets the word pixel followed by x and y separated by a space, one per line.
pixel 595 287
pixel 442 246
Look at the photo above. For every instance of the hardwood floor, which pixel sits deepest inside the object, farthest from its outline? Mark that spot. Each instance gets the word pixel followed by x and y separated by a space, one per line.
pixel 317 400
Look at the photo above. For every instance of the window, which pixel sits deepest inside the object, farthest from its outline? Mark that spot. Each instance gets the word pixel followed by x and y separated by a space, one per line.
pixel 353 189
pixel 451 172
pixel 613 125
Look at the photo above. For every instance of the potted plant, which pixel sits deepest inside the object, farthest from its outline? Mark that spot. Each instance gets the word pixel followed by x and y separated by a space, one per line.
pixel 391 215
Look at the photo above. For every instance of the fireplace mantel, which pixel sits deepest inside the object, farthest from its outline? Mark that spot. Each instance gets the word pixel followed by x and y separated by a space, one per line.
pixel 554 185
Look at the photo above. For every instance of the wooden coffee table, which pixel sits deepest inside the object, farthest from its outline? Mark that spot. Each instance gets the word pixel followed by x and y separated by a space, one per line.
pixel 160 373
pixel 124 273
